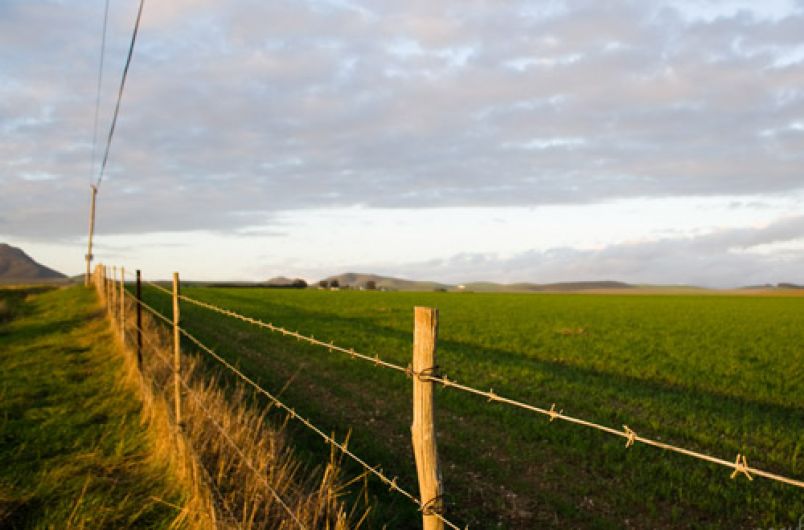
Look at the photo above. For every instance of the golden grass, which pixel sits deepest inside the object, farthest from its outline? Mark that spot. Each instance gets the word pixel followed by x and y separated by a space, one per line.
pixel 237 466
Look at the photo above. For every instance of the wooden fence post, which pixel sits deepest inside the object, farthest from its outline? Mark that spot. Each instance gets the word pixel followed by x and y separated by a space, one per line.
pixel 423 430
pixel 105 288
pixel 123 304
pixel 110 290
pixel 113 310
pixel 139 319
pixel 176 349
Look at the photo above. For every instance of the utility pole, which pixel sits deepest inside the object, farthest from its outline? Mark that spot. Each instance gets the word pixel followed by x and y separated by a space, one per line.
pixel 91 231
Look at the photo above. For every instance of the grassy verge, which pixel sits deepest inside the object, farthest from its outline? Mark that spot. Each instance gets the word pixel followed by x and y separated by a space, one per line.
pixel 73 451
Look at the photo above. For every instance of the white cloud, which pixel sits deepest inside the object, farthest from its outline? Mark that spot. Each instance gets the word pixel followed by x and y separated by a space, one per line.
pixel 237 114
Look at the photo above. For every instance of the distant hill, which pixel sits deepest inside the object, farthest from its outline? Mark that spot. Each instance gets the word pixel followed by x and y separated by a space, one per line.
pixel 283 282
pixel 546 287
pixel 18 267
pixel 358 280
pixel 770 286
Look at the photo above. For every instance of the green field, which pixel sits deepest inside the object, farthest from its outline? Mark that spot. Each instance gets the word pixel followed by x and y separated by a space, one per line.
pixel 718 374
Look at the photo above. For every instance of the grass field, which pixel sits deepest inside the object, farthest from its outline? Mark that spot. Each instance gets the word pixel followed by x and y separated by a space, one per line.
pixel 73 452
pixel 720 374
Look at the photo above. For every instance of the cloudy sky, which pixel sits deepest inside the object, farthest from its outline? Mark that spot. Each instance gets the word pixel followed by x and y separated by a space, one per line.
pixel 657 142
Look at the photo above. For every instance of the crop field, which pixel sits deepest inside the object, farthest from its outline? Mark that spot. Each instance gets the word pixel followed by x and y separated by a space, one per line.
pixel 717 374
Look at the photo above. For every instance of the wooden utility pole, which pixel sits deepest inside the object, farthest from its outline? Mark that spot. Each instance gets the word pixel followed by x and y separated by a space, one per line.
pixel 91 230
pixel 423 428
pixel 176 349
pixel 139 319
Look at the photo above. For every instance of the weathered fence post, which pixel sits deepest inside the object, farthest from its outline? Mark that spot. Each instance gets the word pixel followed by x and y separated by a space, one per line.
pixel 176 349
pixel 113 309
pixel 105 288
pixel 139 320
pixel 123 304
pixel 423 429
pixel 108 290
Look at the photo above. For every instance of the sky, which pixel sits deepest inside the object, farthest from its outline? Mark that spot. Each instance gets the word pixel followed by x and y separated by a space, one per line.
pixel 642 141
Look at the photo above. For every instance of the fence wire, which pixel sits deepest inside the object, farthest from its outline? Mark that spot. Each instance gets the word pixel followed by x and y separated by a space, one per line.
pixel 209 416
pixel 342 447
pixel 739 466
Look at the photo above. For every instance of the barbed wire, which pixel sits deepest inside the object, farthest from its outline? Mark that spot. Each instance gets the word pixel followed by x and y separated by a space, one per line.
pixel 209 480
pixel 375 470
pixel 221 501
pixel 739 466
pixel 342 447
pixel 208 414
pixel 286 332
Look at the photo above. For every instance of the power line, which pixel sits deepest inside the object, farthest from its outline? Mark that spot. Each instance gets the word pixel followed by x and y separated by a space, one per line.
pixel 98 92
pixel 120 94
pixel 94 187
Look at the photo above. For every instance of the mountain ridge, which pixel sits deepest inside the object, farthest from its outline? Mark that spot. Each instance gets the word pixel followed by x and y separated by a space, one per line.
pixel 356 280
pixel 18 267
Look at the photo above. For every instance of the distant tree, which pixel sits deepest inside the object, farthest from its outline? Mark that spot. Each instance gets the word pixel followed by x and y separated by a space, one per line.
pixel 371 285
pixel 298 283
pixel 323 284
pixel 335 284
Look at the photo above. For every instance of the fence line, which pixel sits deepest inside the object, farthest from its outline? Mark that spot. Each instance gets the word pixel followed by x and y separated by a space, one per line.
pixel 739 466
pixel 155 349
pixel 342 447
pixel 286 332
pixel 192 393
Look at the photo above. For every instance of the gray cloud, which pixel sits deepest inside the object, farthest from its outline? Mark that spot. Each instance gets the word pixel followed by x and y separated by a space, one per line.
pixel 237 111
pixel 725 258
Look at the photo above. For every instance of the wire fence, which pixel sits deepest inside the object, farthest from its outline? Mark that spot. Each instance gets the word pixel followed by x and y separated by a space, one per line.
pixel 738 467
pixel 342 447
pixel 199 402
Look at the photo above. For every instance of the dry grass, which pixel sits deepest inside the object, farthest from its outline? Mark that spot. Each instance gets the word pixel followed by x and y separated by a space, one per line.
pixel 237 466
